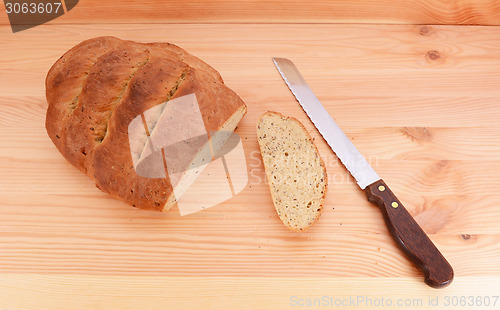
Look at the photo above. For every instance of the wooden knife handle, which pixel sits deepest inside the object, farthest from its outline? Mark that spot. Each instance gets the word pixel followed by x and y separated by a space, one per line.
pixel 410 237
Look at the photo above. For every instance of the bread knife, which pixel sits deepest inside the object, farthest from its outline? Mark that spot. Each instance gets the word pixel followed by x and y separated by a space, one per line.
pixel 404 229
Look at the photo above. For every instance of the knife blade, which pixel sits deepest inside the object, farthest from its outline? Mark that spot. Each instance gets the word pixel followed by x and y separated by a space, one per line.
pixel 409 236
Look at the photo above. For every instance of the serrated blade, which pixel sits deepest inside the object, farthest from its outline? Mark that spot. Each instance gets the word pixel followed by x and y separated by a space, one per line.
pixel 331 132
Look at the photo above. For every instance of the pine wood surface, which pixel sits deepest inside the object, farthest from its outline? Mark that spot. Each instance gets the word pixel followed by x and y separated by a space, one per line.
pixel 420 102
pixel 444 12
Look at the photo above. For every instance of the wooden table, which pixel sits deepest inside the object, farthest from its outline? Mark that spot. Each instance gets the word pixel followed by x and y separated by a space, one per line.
pixel 421 102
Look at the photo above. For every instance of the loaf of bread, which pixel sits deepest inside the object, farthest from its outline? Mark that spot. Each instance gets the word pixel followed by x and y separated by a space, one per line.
pixel 295 172
pixel 97 88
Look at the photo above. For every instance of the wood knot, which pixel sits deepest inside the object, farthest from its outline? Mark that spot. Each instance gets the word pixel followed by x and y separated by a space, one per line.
pixel 433 55
pixel 442 163
pixel 465 236
pixel 425 30
pixel 417 134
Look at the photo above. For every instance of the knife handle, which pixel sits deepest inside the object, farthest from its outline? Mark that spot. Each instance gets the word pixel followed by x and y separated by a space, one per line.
pixel 410 237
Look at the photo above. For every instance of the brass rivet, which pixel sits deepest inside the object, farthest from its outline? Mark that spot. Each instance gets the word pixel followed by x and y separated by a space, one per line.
pixel 395 205
pixel 381 188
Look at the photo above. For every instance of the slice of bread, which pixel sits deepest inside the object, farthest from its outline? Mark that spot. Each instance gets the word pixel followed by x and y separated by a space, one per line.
pixel 295 172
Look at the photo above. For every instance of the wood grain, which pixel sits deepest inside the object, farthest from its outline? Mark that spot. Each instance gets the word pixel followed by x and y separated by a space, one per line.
pixel 463 12
pixel 429 126
pixel 91 292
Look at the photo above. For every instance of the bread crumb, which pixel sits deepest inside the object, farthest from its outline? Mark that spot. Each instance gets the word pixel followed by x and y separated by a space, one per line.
pixel 296 173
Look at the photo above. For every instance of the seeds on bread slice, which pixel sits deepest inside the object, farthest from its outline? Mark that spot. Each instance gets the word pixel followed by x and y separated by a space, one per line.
pixel 295 172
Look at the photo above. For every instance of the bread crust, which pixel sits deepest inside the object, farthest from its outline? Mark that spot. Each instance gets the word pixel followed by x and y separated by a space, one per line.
pixel 321 162
pixel 99 86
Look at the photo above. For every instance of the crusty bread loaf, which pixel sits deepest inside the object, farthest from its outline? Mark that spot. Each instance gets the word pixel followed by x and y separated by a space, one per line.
pixel 99 86
pixel 295 172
